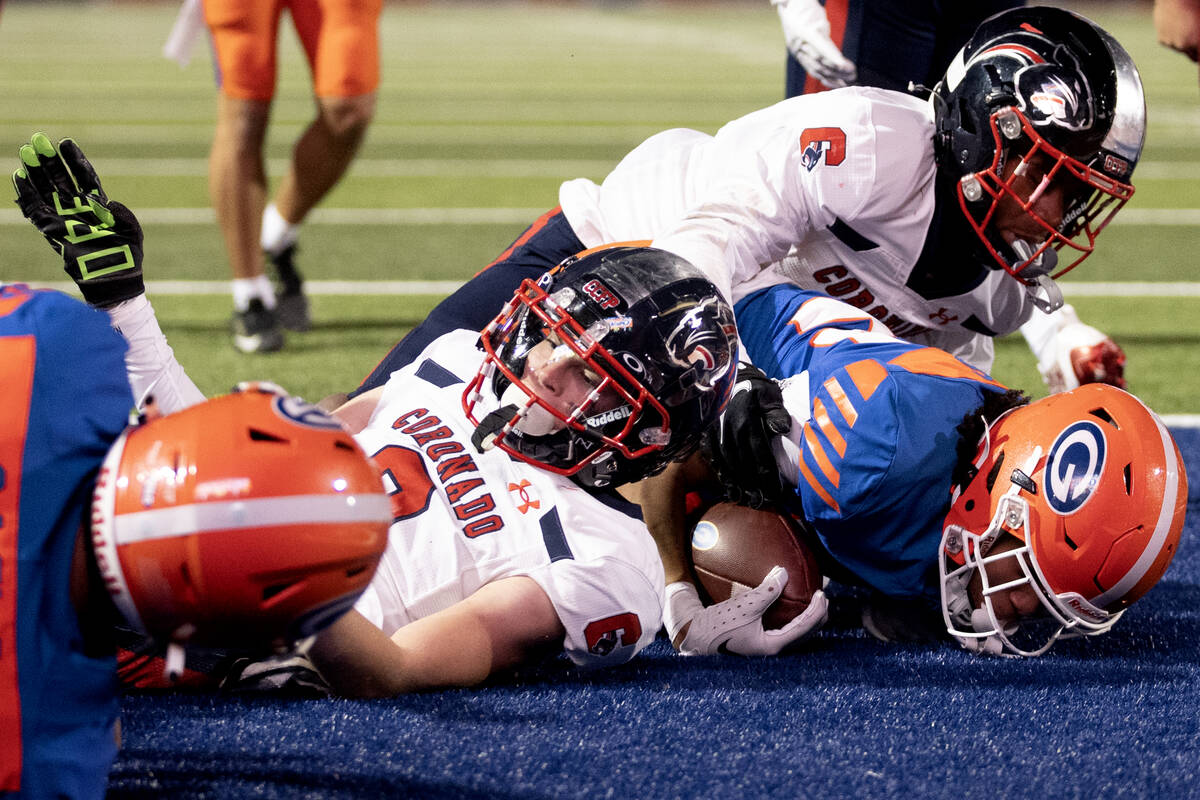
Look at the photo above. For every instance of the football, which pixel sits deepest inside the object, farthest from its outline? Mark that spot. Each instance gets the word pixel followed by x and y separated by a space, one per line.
pixel 734 547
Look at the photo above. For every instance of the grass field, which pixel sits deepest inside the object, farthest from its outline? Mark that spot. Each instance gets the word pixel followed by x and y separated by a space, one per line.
pixel 484 110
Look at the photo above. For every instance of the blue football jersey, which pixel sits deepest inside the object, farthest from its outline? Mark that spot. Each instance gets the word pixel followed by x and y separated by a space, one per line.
pixel 66 399
pixel 874 439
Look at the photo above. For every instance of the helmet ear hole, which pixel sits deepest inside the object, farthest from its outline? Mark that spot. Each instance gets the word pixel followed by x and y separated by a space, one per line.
pixel 259 435
pixel 994 473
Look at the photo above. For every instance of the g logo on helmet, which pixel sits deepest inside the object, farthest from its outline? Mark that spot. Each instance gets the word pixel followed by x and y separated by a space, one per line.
pixel 1073 466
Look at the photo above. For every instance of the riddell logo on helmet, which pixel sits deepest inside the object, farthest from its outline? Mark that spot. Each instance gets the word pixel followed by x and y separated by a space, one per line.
pixel 1084 609
pixel 601 294
pixel 602 419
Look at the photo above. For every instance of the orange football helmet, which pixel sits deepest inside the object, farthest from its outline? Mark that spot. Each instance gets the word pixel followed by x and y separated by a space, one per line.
pixel 250 521
pixel 1092 485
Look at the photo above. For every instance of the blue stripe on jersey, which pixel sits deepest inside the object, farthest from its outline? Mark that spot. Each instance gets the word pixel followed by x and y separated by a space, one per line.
pixel 555 537
pixel 618 503
pixel 850 237
pixel 434 373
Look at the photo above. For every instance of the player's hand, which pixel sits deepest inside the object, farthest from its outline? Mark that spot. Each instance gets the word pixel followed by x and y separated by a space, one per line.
pixel 99 239
pixel 806 32
pixel 739 445
pixel 1082 355
pixel 735 625
pixel 1177 23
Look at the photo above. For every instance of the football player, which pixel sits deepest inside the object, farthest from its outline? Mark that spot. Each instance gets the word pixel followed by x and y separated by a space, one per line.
pixel 940 490
pixel 886 44
pixel 890 45
pixel 944 217
pixel 500 451
pixel 96 517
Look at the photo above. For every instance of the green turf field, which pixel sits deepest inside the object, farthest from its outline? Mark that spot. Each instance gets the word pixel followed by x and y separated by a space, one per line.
pixel 484 110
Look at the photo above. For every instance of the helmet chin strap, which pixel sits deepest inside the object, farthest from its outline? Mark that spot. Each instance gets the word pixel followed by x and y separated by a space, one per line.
pixel 492 427
pixel 1043 291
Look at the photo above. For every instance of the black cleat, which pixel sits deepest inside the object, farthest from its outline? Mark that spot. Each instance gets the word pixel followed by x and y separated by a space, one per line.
pixel 291 304
pixel 256 330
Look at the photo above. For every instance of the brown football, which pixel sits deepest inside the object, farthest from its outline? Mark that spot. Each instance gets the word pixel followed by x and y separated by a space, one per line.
pixel 734 547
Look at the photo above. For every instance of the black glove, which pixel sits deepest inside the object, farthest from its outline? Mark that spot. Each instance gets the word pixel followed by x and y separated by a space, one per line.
pixel 739 445
pixel 99 239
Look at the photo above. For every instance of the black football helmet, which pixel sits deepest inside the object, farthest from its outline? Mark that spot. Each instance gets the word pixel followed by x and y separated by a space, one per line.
pixel 654 343
pixel 1057 96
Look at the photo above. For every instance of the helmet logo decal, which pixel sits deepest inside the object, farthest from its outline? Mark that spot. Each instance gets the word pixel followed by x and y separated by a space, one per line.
pixel 600 294
pixel 1055 93
pixel 1073 466
pixel 304 413
pixel 818 142
pixel 1115 165
pixel 697 345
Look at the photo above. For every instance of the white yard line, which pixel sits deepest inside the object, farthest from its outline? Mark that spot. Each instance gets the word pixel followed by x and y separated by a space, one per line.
pixel 1154 217
pixel 375 287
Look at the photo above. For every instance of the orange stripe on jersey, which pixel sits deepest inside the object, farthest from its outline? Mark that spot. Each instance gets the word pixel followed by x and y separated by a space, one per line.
pixel 821 417
pixel 12 297
pixel 610 245
pixel 816 485
pixel 931 361
pixel 838 394
pixel 867 375
pixel 17 355
pixel 819 456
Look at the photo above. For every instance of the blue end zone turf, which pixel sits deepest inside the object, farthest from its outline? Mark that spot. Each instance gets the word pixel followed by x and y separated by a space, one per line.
pixel 846 717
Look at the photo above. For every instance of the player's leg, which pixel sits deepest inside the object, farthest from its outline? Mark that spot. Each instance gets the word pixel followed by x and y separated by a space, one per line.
pixel 341 40
pixel 543 244
pixel 244 45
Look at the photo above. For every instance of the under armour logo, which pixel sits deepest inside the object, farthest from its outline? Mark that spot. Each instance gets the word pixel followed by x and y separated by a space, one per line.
pixel 526 501
pixel 943 316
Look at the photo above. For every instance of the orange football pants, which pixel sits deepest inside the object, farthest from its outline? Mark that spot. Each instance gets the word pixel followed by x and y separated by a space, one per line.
pixel 340 39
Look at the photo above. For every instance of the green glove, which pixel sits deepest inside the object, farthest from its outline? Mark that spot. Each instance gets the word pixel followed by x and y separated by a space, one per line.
pixel 99 239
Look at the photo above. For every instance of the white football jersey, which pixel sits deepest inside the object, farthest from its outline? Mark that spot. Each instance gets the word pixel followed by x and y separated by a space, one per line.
pixel 465 519
pixel 832 192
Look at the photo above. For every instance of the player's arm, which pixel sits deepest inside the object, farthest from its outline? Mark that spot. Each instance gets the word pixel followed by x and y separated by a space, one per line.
pixel 498 627
pixel 734 625
pixel 1071 352
pixel 354 414
pixel 100 242
pixel 1177 24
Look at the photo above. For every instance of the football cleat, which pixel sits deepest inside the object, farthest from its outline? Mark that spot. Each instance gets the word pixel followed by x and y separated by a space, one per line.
pixel 257 329
pixel 291 304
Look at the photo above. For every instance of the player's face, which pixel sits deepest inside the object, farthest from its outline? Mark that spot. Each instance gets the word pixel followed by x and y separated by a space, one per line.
pixel 1037 202
pixel 565 381
pixel 1013 604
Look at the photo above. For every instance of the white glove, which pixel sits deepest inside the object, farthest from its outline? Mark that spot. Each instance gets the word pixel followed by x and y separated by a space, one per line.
pixel 1082 355
pixel 735 625
pixel 806 32
pixel 1070 353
